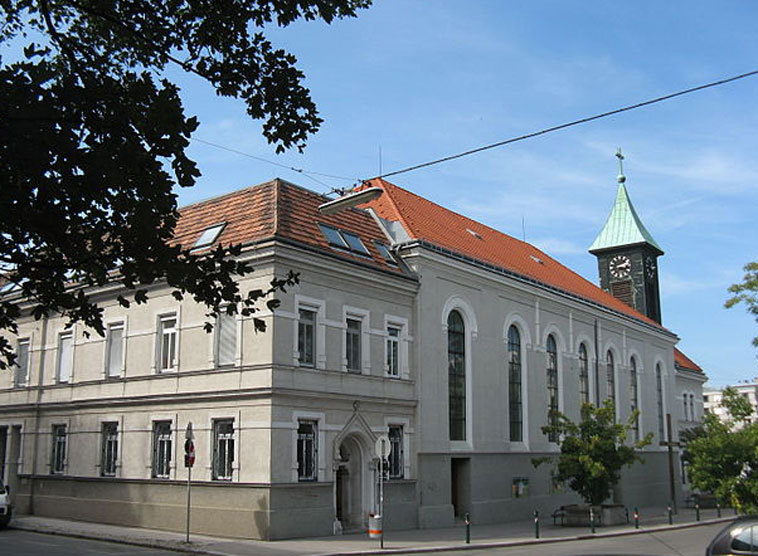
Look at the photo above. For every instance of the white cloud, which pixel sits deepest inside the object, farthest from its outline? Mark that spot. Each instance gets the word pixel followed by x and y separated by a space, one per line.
pixel 554 246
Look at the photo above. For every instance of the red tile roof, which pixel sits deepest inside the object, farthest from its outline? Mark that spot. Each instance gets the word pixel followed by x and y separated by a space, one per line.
pixel 425 220
pixel 279 209
pixel 684 362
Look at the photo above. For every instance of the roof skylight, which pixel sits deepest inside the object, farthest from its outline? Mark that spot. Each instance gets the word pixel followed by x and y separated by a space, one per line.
pixel 209 235
pixel 355 243
pixel 334 237
pixel 385 252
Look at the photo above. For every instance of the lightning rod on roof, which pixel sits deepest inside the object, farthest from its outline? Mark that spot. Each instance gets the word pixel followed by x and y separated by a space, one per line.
pixel 350 200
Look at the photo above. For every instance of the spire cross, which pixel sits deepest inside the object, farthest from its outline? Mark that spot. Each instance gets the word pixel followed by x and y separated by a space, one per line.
pixel 621 177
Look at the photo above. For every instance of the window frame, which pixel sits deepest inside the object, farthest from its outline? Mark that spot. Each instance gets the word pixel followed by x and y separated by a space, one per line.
pixel 302 455
pixel 109 343
pixel 457 374
pixel 392 349
pixel 228 439
pixel 63 359
pixel 659 402
pixel 553 391
pixel 364 356
pixel 26 342
pixel 584 373
pixel 514 346
pixel 234 323
pixel 634 396
pixel 109 448
pixel 162 442
pixel 59 449
pixel 161 332
pixel 302 340
pixel 396 463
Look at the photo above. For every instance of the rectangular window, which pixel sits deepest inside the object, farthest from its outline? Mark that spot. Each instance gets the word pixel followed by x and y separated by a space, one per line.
pixel 226 339
pixel 223 449
pixel 109 456
pixel 58 463
pixel 21 376
pixel 167 346
pixel 306 337
pixel 162 449
pixel 393 351
pixel 115 350
pixel 65 356
pixel 353 345
pixel 396 470
pixel 307 451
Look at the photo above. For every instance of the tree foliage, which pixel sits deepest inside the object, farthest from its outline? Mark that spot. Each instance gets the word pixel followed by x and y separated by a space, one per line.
pixel 594 451
pixel 746 292
pixel 722 455
pixel 93 138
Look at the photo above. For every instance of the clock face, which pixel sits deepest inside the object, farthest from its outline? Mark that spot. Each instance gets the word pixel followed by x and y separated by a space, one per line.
pixel 620 266
pixel 650 267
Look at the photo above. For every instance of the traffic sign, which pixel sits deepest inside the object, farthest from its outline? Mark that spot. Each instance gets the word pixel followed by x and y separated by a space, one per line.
pixel 189 453
pixel 382 447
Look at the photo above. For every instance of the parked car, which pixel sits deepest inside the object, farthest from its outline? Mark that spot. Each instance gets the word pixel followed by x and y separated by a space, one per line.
pixel 5 505
pixel 739 538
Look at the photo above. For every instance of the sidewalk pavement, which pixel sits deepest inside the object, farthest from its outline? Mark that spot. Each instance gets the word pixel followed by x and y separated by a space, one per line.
pixel 398 542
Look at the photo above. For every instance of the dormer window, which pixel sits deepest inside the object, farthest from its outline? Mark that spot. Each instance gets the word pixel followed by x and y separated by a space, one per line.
pixel 344 240
pixel 209 236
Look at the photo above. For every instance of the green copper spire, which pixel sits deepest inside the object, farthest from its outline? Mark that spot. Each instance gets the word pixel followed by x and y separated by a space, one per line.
pixel 623 226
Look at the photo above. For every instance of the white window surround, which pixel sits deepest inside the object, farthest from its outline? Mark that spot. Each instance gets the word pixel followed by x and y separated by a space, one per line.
pixel 178 443
pixel 560 344
pixel 457 303
pixel 515 319
pixel 407 432
pixel 111 418
pixel 618 364
pixel 157 339
pixel 403 347
pixel 113 323
pixel 319 307
pixel 64 333
pixel 218 416
pixel 28 342
pixel 363 316
pixel 320 420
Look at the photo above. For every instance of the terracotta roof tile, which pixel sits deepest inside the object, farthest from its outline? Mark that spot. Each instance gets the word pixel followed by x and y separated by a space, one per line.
pixel 425 220
pixel 279 209
pixel 681 360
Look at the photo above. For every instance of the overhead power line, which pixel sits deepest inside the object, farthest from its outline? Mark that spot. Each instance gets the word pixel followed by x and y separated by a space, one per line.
pixel 569 124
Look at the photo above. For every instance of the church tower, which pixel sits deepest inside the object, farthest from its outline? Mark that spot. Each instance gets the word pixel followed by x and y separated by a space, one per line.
pixel 627 255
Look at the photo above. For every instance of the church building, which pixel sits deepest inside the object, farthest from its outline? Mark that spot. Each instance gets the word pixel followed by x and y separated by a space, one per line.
pixel 410 320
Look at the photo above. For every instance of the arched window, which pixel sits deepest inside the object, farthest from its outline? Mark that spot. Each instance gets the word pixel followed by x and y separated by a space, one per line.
pixel 610 370
pixel 659 399
pixel 634 396
pixel 584 375
pixel 515 409
pixel 552 385
pixel 684 400
pixel 456 385
pixel 692 407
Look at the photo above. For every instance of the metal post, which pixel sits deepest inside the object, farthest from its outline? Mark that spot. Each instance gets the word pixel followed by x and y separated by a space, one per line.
pixel 592 520
pixel 718 509
pixel 536 524
pixel 189 490
pixel 381 498
pixel 636 518
pixel 671 517
pixel 697 511
pixel 468 528
pixel 670 448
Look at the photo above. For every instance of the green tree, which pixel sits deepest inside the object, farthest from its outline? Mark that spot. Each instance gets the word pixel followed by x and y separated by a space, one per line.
pixel 593 451
pixel 722 455
pixel 746 292
pixel 93 138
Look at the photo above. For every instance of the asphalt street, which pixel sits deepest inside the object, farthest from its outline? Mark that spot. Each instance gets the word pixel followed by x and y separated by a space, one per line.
pixel 23 543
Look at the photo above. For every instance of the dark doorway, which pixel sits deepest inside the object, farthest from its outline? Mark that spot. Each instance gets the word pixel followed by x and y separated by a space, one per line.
pixel 3 448
pixel 342 478
pixel 460 485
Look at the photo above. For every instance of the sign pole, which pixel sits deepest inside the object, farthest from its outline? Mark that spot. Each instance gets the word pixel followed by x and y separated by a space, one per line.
pixel 381 498
pixel 189 460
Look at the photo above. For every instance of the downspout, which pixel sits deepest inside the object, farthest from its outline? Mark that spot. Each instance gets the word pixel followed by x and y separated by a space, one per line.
pixel 37 408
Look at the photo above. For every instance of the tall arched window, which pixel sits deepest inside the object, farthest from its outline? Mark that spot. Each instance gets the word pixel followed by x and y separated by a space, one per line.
pixel 552 385
pixel 515 410
pixel 634 396
pixel 692 406
pixel 456 384
pixel 659 399
pixel 584 375
pixel 684 401
pixel 610 370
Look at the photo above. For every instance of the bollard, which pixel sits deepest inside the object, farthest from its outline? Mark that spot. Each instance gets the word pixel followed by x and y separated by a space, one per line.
pixel 671 517
pixel 636 518
pixel 592 520
pixel 536 524
pixel 468 528
pixel 697 511
pixel 718 509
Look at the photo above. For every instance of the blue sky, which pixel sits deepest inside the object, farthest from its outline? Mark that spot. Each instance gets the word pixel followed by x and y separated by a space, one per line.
pixel 420 80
